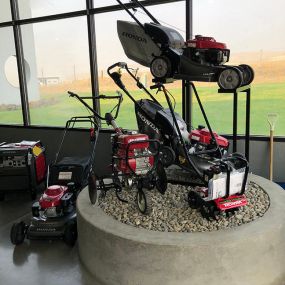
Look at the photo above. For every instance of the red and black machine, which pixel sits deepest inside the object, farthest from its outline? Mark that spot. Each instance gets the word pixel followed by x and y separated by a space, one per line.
pixel 22 167
pixel 134 163
pixel 170 57
pixel 54 214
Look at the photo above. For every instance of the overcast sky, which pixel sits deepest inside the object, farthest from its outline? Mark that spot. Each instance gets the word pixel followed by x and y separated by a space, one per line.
pixel 245 25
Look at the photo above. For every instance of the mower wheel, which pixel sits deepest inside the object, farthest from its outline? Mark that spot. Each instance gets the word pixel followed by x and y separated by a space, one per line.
pixel 143 202
pixel 167 156
pixel 160 67
pixel 70 234
pixel 230 78
pixel 92 188
pixel 161 180
pixel 248 73
pixel 194 200
pixel 209 211
pixel 18 233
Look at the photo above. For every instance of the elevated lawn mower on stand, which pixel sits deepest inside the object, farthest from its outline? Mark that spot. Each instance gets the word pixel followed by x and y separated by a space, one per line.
pixel 134 164
pixel 54 215
pixel 222 176
pixel 170 57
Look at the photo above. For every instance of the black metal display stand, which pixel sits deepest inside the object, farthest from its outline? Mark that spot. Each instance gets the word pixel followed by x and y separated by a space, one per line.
pixel 245 89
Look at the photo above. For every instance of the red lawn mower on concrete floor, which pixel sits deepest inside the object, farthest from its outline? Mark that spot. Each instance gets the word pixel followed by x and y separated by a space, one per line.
pixel 170 57
pixel 134 163
pixel 54 215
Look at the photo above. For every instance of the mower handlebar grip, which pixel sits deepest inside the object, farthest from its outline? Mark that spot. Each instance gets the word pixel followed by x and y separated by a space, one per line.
pixel 117 64
pixel 71 94
pixel 156 86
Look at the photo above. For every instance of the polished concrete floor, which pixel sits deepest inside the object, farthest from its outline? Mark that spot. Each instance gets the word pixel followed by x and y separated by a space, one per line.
pixel 35 262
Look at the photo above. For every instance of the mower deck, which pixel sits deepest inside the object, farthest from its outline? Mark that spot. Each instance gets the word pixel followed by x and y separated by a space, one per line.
pixel 49 228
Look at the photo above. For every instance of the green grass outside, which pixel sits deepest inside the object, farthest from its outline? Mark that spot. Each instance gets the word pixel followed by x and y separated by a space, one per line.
pixel 265 98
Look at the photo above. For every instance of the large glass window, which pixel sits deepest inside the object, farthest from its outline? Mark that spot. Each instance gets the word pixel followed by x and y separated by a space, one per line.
pixel 10 100
pixel 110 51
pixel 252 30
pixel 5 11
pixel 58 58
pixel 38 8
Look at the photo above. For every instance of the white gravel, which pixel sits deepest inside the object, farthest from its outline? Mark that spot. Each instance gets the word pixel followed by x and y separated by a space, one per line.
pixel 171 213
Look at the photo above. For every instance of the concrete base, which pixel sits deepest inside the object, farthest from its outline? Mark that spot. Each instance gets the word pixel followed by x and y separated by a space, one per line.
pixel 251 254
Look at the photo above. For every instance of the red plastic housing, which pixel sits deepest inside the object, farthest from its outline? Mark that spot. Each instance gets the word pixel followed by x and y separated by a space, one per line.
pixel 204 136
pixel 124 140
pixel 234 201
pixel 52 196
pixel 201 42
pixel 137 145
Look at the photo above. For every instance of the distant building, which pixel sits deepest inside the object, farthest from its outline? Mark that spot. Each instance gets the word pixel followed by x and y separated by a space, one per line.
pixel 51 80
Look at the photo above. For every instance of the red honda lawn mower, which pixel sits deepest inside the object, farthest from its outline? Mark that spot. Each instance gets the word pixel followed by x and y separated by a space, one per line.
pixel 134 164
pixel 170 57
pixel 54 214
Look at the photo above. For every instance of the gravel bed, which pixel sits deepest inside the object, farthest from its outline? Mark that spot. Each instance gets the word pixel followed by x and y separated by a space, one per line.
pixel 171 213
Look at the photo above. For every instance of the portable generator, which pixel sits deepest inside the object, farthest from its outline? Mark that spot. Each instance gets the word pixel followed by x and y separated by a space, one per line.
pixel 22 167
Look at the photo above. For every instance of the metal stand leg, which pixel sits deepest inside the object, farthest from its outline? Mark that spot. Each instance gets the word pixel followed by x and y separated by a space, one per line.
pixel 247 130
pixel 235 110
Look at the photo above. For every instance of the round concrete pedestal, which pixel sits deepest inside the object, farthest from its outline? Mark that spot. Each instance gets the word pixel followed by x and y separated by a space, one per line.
pixel 250 254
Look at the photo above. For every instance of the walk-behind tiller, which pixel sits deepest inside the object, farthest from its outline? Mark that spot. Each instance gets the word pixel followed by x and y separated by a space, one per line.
pixel 54 215
pixel 170 57
pixel 133 164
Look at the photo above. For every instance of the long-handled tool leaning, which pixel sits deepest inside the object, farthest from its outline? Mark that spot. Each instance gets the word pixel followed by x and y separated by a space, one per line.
pixel 272 119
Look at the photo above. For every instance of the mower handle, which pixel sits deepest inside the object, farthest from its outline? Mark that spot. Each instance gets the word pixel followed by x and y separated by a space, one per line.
pixel 96 114
pixel 116 76
pixel 119 96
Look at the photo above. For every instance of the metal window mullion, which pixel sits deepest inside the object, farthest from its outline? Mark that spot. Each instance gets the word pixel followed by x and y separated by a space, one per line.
pixel 187 99
pixel 93 54
pixel 20 63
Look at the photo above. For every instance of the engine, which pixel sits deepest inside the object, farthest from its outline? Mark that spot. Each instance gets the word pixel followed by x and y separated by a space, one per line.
pixel 132 154
pixel 201 140
pixel 55 202
pixel 205 50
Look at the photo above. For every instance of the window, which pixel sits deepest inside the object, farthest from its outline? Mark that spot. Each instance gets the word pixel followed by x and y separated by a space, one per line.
pixel 38 8
pixel 5 11
pixel 58 57
pixel 252 31
pixel 10 100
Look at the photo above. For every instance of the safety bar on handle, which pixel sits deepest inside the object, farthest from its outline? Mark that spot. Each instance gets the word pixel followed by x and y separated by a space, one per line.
pixel 96 114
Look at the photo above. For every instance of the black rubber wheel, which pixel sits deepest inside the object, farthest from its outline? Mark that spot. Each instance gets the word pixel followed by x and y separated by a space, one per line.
pixel 230 78
pixel 209 211
pixel 194 200
pixel 167 156
pixel 70 234
pixel 92 188
pixel 248 73
pixel 141 201
pixel 161 67
pixel 2 197
pixel 18 233
pixel 161 181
